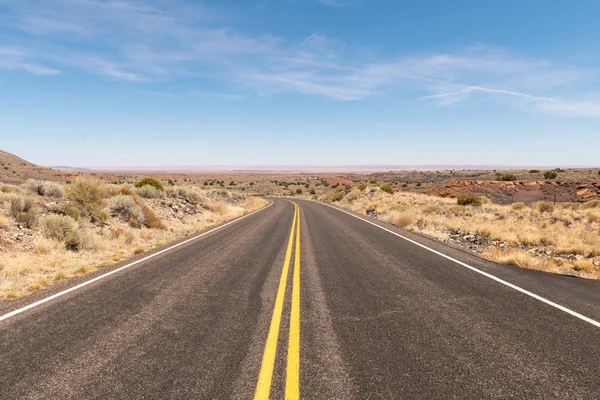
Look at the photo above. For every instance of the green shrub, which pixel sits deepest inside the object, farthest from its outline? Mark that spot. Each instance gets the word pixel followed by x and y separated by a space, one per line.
pixel 419 184
pixel 534 171
pixel 387 188
pixel 405 185
pixel 506 177
pixel 550 175
pixel 543 206
pixel 232 183
pixel 335 186
pixel 362 187
pixel 127 209
pixel 312 191
pixel 149 192
pixel 151 182
pixel 87 190
pixel 299 191
pixel 57 226
pixel 469 199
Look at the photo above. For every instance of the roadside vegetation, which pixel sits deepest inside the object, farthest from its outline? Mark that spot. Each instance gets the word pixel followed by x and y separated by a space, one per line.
pixel 560 238
pixel 51 231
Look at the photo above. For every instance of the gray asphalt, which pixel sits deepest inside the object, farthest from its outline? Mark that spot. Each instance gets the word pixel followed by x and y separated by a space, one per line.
pixel 381 318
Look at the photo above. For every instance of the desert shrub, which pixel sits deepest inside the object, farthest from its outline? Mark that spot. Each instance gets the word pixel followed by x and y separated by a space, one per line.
pixel 534 171
pixel 401 219
pixel 88 194
pixel 74 241
pixel 312 191
pixel 68 209
pixel 362 187
pixel 151 220
pixel 44 188
pixel 405 185
pixel 469 199
pixel 387 188
pixel 505 177
pixel 21 208
pixel 518 206
pixel 149 192
pixel 11 189
pixel 150 182
pixel 57 226
pixel 550 175
pixel 298 191
pixel 419 184
pixel 127 209
pixel 543 206
pixel 593 216
pixel 433 209
pixel 188 195
pixel 218 207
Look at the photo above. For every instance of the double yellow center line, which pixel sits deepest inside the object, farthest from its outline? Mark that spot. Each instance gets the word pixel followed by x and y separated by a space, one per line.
pixel 292 382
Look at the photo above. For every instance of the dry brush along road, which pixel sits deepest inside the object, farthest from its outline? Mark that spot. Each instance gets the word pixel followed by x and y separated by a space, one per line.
pixel 302 300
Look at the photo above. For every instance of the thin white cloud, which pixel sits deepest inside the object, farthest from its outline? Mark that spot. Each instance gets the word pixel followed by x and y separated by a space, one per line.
pixel 17 59
pixel 139 41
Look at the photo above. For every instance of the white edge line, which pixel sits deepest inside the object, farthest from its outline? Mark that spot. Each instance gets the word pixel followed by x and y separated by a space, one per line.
pixel 79 286
pixel 487 275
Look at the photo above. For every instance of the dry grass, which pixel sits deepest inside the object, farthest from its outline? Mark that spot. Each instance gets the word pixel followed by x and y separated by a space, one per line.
pixel 56 252
pixel 563 230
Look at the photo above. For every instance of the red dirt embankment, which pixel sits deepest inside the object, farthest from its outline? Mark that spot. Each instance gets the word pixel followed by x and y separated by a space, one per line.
pixel 527 192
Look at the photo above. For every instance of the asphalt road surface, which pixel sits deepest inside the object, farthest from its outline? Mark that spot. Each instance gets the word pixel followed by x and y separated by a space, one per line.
pixel 306 301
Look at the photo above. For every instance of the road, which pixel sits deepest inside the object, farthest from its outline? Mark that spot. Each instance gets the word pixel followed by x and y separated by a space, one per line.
pixel 337 309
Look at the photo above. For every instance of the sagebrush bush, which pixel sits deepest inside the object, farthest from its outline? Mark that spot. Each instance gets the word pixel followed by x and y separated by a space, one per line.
pixel 149 192
pixel 88 194
pixel 469 199
pixel 127 209
pixel 57 226
pixel 312 191
pixel 21 208
pixel 150 182
pixel 44 188
pixel 387 188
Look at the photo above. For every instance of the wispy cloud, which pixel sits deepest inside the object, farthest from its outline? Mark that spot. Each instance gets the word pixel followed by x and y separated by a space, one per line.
pixel 14 58
pixel 139 41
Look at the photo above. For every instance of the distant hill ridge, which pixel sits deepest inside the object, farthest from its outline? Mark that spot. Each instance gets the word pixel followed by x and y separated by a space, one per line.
pixel 16 169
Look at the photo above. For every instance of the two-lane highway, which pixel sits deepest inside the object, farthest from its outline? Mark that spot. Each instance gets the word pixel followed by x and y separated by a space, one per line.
pixel 301 300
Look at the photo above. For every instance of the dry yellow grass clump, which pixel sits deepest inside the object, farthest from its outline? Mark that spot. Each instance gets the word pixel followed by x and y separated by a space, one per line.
pixel 96 225
pixel 562 237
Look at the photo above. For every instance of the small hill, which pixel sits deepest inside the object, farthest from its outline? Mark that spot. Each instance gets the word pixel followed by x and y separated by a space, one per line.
pixel 15 169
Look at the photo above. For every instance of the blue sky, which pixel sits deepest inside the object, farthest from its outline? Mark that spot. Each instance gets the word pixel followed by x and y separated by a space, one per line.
pixel 300 82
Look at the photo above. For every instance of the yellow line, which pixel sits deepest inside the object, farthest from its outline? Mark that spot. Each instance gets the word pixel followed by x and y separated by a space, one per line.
pixel 263 387
pixel 292 384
